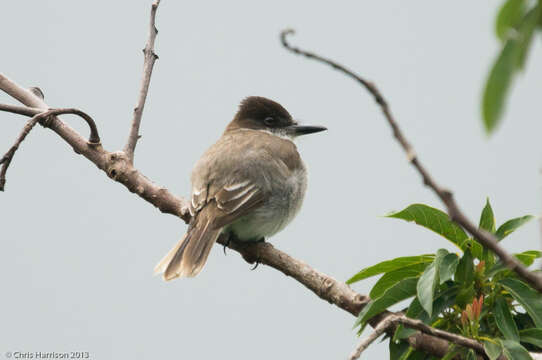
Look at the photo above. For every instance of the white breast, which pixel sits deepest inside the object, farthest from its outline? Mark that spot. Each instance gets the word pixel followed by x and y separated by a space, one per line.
pixel 279 210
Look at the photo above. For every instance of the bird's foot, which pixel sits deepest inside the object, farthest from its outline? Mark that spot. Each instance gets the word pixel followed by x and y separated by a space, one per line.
pixel 257 260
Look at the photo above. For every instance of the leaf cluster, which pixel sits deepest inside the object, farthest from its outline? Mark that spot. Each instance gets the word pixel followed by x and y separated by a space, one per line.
pixel 471 293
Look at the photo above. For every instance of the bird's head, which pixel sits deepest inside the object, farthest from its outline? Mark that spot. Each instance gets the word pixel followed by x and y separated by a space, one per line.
pixel 259 113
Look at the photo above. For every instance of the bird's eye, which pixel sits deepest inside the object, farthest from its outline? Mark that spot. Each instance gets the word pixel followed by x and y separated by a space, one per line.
pixel 269 121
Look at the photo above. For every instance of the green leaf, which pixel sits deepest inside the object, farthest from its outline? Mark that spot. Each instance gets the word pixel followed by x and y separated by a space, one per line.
pixel 391 278
pixel 429 281
pixel 497 85
pixel 505 321
pixel 390 265
pixel 514 350
pixel 493 350
pixel 448 267
pixel 530 299
pixel 531 336
pixel 452 353
pixel 508 17
pixel 434 220
pixel 464 274
pixel 400 291
pixel 426 287
pixel 471 355
pixel 465 295
pixel 511 225
pixel 487 219
pixel 525 34
pixel 528 257
pixel 398 350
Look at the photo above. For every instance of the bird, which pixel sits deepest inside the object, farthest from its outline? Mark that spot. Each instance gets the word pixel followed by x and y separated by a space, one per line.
pixel 249 185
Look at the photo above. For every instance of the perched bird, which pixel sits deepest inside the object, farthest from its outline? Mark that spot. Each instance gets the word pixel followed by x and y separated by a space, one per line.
pixel 250 184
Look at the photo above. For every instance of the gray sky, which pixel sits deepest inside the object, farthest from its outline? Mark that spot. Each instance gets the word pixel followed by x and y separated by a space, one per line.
pixel 78 250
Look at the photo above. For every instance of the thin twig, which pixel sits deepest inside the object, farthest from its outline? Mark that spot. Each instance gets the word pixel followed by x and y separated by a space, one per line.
pixel 93 139
pixel 149 58
pixel 21 110
pixel 6 159
pixel 483 237
pixel 392 320
pixel 380 329
pixel 42 117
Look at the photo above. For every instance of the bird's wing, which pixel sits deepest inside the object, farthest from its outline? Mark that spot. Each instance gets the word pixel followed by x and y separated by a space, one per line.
pixel 230 202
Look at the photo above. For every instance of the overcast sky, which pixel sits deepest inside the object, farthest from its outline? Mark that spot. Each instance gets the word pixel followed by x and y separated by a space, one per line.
pixel 77 249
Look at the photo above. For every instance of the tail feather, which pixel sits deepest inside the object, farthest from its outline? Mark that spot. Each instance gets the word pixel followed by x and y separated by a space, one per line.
pixel 189 256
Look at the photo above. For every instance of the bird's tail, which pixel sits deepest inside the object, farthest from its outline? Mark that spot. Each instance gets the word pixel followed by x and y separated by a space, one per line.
pixel 188 257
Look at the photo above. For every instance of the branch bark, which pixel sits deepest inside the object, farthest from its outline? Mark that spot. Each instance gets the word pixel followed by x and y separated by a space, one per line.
pixel 483 237
pixel 392 320
pixel 149 58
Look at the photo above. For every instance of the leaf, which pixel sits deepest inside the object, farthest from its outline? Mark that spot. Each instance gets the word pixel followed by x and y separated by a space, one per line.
pixel 508 17
pixel 447 267
pixel 528 257
pixel 493 350
pixel 487 219
pixel 465 295
pixel 505 321
pixel 514 350
pixel 464 274
pixel 400 291
pixel 511 225
pixel 398 350
pixel 428 282
pixel 497 85
pixel 390 265
pixel 525 34
pixel 435 220
pixel 530 299
pixel 391 278
pixel 531 336
pixel 426 287
pixel 471 355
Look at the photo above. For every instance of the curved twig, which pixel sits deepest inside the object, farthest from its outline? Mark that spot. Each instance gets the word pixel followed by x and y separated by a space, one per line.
pixel 483 237
pixel 148 64
pixel 94 138
pixel 42 117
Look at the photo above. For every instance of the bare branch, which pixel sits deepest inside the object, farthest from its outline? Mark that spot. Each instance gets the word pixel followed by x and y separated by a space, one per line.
pixel 43 117
pixel 380 329
pixel 148 64
pixel 115 164
pixel 6 159
pixel 94 138
pixel 392 320
pixel 21 110
pixel 483 237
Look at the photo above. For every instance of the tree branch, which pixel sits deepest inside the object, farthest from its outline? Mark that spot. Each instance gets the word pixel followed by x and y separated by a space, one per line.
pixel 115 164
pixel 483 237
pixel 149 58
pixel 119 168
pixel 43 117
pixel 393 319
pixel 21 110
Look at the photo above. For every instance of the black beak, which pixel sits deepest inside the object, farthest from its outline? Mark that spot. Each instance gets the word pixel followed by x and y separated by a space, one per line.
pixel 299 130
